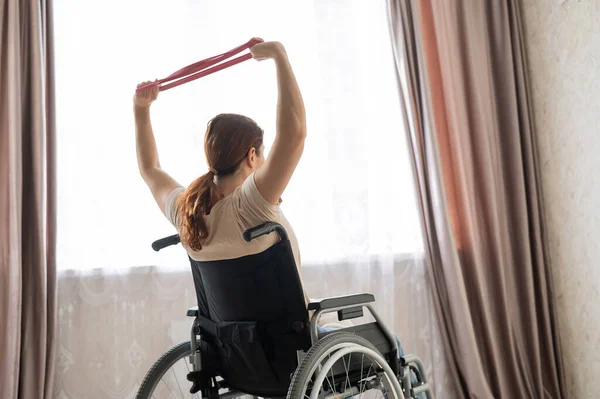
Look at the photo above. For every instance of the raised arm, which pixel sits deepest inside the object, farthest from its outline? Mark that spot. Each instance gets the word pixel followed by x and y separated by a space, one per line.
pixel 273 177
pixel 159 181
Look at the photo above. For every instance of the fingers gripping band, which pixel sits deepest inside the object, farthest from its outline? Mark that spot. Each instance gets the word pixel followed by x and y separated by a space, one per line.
pixel 201 68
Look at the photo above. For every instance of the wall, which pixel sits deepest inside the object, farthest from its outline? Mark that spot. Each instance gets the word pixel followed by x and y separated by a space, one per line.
pixel 563 45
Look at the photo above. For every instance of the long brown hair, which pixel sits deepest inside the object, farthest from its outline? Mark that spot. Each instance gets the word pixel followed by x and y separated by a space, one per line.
pixel 227 141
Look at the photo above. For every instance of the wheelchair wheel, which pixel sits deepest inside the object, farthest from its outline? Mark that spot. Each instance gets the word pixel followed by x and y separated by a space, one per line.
pixel 167 376
pixel 344 365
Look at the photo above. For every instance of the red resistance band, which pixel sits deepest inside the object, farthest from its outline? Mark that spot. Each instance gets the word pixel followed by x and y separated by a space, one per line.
pixel 201 68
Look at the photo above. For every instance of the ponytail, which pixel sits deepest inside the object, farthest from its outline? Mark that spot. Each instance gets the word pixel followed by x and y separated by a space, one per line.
pixel 195 203
pixel 227 140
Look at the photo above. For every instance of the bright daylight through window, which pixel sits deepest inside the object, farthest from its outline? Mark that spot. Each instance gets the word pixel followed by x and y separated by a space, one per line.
pixel 352 194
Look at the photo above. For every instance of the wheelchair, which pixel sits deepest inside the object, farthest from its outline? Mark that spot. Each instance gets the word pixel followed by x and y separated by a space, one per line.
pixel 252 334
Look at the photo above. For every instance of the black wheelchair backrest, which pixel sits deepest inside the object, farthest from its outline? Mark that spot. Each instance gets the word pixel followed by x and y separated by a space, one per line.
pixel 253 314
pixel 262 287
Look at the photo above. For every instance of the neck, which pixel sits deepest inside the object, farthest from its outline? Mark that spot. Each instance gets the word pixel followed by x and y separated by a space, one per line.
pixel 228 184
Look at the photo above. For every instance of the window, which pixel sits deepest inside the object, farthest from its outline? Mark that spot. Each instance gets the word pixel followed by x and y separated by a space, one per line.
pixel 352 194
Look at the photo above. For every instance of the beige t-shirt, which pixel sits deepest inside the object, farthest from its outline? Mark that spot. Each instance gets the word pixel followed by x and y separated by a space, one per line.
pixel 230 217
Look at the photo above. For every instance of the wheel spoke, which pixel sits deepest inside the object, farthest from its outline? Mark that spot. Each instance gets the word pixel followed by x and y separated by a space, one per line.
pixel 347 369
pixel 177 379
pixel 168 387
pixel 332 377
pixel 383 393
pixel 368 373
pixel 361 385
pixel 333 389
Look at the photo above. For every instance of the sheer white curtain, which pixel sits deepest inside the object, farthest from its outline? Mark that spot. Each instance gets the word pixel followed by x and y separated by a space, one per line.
pixel 352 194
pixel 351 201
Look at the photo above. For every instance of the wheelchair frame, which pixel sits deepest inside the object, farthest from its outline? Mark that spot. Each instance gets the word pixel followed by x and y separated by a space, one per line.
pixel 354 303
pixel 347 307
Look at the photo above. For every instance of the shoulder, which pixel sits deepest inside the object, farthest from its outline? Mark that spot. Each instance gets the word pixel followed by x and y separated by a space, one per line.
pixel 171 204
pixel 248 198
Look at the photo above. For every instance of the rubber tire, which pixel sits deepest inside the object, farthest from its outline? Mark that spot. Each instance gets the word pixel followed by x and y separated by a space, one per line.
pixel 160 367
pixel 319 349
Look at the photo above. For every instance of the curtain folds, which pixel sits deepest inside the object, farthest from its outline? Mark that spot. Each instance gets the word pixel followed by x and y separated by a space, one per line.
pixel 27 199
pixel 473 151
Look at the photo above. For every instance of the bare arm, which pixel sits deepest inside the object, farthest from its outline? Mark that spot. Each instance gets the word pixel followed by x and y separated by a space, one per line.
pixel 274 176
pixel 159 181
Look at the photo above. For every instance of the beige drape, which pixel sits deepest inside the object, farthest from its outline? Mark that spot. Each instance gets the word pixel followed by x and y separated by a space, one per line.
pixel 471 136
pixel 27 203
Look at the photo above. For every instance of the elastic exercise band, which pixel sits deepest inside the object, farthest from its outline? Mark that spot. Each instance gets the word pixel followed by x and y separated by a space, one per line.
pixel 201 68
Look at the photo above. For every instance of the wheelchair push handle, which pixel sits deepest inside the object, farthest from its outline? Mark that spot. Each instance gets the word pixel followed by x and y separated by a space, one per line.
pixel 249 235
pixel 265 228
pixel 165 242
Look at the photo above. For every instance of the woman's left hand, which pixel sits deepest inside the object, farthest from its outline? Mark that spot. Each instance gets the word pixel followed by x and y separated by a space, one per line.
pixel 146 97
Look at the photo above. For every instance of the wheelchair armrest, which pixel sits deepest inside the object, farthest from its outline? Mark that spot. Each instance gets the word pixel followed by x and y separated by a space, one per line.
pixel 341 301
pixel 193 312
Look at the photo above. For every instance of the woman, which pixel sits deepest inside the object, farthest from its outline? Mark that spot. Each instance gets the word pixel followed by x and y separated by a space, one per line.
pixel 240 189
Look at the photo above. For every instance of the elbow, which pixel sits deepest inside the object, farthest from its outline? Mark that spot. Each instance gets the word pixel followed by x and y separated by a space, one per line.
pixel 143 173
pixel 297 124
pixel 147 167
pixel 300 129
pixel 146 172
pixel 302 134
pixel 300 137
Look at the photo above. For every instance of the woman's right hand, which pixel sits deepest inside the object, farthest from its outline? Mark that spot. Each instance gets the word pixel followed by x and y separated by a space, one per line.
pixel 267 50
pixel 144 98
